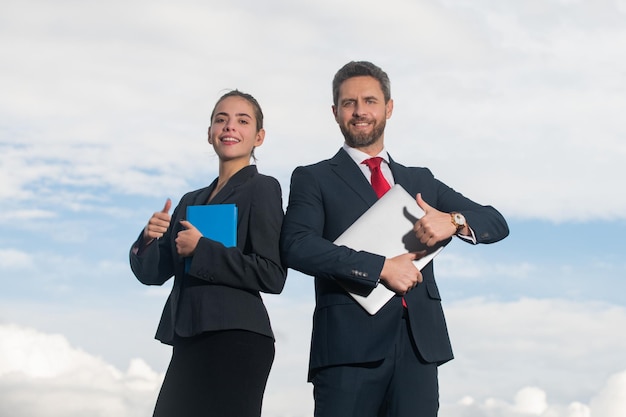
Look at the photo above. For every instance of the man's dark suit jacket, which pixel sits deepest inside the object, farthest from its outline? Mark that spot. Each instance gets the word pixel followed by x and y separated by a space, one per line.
pixel 221 288
pixel 325 199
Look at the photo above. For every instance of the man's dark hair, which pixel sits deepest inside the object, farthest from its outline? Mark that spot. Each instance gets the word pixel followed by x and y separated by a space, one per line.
pixel 359 69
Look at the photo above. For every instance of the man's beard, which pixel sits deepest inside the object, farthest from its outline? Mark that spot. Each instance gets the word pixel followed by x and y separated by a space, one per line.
pixel 362 140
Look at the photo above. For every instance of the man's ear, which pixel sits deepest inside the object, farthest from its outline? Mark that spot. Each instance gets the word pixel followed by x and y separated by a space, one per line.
pixel 389 108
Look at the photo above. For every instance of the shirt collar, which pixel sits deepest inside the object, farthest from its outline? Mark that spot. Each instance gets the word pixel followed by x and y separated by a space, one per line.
pixel 360 156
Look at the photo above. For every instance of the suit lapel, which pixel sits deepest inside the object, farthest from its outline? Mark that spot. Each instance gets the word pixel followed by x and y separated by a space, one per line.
pixel 400 176
pixel 231 186
pixel 203 196
pixel 348 172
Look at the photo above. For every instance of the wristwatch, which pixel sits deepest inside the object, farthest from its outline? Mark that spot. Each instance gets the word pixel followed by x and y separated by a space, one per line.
pixel 458 220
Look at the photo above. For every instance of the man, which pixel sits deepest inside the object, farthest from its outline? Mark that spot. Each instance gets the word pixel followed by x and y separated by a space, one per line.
pixel 384 364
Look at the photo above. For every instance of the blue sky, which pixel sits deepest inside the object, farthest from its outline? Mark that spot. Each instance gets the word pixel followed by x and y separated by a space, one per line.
pixel 103 115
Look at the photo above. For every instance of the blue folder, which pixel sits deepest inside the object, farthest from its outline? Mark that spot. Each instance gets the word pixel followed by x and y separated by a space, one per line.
pixel 215 221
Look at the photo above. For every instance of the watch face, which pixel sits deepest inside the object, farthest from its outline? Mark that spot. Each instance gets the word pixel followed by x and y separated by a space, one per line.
pixel 459 219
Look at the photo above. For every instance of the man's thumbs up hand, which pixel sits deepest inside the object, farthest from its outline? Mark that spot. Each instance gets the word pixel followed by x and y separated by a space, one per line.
pixel 434 226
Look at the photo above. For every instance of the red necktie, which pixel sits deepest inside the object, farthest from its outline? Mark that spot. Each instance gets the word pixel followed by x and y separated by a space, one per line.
pixel 379 183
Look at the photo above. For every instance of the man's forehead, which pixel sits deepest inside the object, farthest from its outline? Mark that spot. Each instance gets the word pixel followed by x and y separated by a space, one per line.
pixel 360 87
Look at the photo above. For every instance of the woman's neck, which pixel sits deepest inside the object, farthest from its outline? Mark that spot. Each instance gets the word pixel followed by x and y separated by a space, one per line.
pixel 226 170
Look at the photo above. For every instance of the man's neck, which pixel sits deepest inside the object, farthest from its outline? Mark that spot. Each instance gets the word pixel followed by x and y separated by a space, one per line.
pixel 373 149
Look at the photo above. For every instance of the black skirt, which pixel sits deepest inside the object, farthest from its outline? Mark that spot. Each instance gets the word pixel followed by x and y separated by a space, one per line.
pixel 217 374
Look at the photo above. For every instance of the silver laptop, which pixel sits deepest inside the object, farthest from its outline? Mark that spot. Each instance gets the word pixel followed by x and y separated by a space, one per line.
pixel 386 229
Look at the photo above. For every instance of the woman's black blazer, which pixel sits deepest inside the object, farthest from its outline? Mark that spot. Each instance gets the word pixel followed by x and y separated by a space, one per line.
pixel 221 289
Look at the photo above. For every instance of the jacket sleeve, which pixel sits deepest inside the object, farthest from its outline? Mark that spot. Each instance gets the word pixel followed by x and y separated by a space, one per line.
pixel 256 266
pixel 153 265
pixel 304 247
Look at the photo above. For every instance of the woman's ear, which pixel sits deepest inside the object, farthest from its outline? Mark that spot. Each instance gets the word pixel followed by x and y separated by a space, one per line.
pixel 260 137
pixel 209 138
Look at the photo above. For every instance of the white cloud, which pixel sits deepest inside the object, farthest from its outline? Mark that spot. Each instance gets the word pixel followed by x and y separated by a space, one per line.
pixel 528 402
pixel 528 92
pixel 611 401
pixel 455 265
pixel 13 258
pixel 42 375
pixel 532 401
pixel 503 346
pixel 48 270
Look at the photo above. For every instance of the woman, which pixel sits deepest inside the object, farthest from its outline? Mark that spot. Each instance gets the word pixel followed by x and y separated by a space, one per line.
pixel 215 319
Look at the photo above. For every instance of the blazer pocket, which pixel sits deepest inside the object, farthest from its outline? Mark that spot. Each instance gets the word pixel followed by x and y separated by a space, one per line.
pixel 433 291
